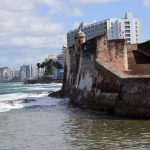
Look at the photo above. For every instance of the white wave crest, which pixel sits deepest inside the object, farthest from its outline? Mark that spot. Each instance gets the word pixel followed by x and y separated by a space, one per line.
pixel 29 96
pixel 18 104
pixel 16 96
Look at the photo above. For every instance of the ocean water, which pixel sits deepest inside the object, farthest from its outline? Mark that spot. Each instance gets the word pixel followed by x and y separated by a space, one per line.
pixel 16 95
pixel 30 120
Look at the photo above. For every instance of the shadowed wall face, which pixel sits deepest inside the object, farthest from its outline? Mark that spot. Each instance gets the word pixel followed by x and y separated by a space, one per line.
pixel 145 47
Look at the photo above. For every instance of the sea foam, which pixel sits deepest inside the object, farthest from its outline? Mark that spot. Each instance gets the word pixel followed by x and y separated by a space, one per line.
pixel 31 95
pixel 22 103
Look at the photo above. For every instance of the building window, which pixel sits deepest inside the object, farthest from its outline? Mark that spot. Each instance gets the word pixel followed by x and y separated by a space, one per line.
pixel 127 27
pixel 128 39
pixel 127 22
pixel 127 35
pixel 127 31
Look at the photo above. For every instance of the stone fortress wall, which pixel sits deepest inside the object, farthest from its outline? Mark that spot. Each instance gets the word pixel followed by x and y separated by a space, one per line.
pixel 102 75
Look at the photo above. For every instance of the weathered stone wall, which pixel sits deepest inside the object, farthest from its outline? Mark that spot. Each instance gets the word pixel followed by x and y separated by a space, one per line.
pixel 135 97
pixel 112 51
pixel 131 47
pixel 93 80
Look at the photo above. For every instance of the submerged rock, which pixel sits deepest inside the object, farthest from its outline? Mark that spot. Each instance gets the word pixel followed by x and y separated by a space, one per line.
pixel 57 94
pixel 42 81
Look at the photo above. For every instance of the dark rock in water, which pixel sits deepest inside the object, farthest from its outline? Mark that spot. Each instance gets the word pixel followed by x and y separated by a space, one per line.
pixel 31 82
pixel 32 100
pixel 12 103
pixel 28 100
pixel 57 94
pixel 42 81
pixel 50 91
pixel 25 101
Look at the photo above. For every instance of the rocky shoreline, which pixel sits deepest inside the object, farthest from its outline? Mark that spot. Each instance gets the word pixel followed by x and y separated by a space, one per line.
pixel 56 94
pixel 42 81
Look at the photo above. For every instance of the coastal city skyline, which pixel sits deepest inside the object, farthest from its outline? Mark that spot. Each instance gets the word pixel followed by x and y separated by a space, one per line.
pixel 33 71
pixel 31 30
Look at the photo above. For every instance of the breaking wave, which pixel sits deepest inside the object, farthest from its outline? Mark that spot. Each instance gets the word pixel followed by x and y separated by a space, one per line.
pixel 17 96
pixel 28 96
pixel 22 103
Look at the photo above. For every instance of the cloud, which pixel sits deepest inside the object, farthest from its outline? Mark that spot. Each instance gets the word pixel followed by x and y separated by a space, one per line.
pixel 36 27
pixel 146 3
pixel 76 12
pixel 29 29
pixel 93 1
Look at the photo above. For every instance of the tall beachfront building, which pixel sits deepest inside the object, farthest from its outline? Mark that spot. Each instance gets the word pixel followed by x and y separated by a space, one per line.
pixel 128 28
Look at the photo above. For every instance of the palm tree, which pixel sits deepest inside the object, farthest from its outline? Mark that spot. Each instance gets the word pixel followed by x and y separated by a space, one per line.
pixel 57 65
pixel 38 66
pixel 42 66
pixel 49 67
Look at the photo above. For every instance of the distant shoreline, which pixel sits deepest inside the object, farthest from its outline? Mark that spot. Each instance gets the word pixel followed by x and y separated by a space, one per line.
pixel 10 81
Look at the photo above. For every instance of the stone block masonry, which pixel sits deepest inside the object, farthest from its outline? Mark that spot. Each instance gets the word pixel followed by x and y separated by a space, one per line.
pixel 98 76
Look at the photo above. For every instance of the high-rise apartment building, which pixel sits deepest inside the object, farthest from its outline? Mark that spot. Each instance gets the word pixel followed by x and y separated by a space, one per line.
pixel 7 74
pixel 25 72
pixel 128 28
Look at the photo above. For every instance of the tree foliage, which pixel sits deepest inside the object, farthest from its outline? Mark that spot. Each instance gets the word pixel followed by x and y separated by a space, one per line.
pixel 57 65
pixel 48 66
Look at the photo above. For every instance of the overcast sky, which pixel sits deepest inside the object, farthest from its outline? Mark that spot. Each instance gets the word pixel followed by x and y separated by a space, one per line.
pixel 30 30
